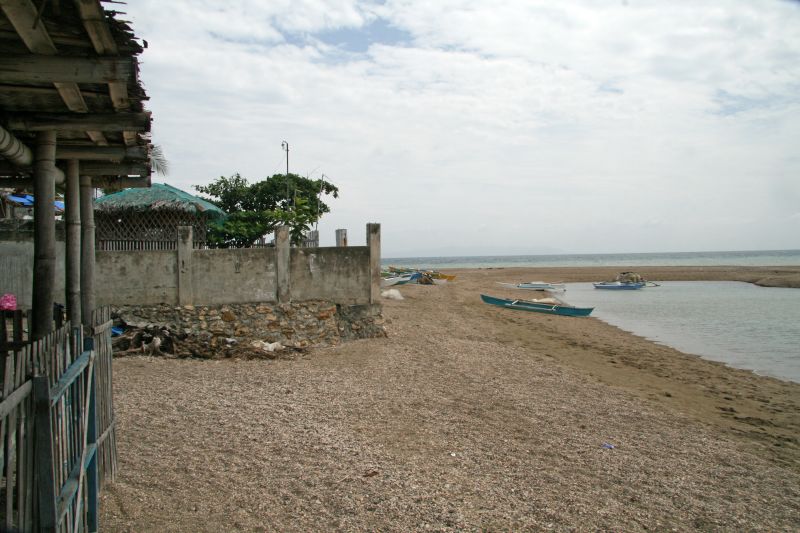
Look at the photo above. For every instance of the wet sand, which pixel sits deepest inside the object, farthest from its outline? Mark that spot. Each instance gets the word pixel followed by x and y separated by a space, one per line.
pixel 763 410
pixel 466 417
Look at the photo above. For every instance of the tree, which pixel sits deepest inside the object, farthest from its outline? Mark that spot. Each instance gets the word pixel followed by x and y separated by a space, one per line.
pixel 258 208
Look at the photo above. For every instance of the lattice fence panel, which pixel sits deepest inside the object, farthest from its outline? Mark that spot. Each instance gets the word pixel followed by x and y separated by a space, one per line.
pixel 121 229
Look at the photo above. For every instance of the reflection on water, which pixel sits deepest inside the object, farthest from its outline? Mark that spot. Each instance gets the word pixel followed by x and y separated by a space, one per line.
pixel 743 325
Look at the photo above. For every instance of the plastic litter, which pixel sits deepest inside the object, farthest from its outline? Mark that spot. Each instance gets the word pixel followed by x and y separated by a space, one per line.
pixel 267 346
pixel 392 294
pixel 8 302
pixel 608 446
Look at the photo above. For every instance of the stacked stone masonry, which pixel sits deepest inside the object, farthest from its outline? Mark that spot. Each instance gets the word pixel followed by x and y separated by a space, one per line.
pixel 232 330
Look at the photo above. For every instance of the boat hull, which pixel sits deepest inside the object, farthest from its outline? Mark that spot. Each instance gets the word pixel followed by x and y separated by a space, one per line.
pixel 550 309
pixel 617 286
pixel 535 286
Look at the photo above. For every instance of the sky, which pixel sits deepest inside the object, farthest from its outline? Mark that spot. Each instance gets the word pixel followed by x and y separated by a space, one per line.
pixel 469 127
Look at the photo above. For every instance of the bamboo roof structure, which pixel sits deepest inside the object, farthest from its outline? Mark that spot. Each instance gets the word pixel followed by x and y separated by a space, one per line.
pixel 71 66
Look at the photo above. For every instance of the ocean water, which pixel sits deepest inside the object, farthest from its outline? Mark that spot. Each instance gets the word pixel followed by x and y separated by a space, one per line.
pixel 740 324
pixel 753 258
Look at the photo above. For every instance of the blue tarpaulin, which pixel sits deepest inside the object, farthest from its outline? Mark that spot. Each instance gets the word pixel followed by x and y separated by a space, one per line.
pixel 26 200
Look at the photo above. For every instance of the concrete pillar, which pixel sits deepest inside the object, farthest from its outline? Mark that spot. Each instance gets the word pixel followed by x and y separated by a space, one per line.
pixel 44 234
pixel 374 244
pixel 87 250
pixel 282 258
pixel 185 250
pixel 73 242
pixel 341 237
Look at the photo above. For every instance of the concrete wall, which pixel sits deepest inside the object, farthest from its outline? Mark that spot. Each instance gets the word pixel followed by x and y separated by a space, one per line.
pixel 233 276
pixel 343 275
pixel 16 262
pixel 135 278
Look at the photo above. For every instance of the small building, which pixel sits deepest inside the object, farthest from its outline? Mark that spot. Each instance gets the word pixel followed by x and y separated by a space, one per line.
pixel 147 219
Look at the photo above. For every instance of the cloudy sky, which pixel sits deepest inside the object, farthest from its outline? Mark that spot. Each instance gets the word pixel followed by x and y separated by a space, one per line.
pixel 472 127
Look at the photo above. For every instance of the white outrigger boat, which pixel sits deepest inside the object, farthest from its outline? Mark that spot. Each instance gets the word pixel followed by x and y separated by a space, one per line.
pixel 535 286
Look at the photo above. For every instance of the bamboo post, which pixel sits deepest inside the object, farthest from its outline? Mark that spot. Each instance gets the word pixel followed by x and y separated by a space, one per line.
pixel 73 242
pixel 87 250
pixel 44 234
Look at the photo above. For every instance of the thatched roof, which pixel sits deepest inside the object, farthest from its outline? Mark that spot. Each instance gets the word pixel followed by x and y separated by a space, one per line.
pixel 72 67
pixel 159 197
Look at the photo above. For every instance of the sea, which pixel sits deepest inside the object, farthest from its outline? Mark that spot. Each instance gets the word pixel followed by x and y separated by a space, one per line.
pixel 739 324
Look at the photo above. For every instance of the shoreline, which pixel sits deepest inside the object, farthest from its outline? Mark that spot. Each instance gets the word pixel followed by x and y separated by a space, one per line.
pixel 765 276
pixel 464 417
pixel 763 410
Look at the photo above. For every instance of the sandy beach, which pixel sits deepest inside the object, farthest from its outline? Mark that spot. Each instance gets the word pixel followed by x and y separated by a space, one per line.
pixel 465 417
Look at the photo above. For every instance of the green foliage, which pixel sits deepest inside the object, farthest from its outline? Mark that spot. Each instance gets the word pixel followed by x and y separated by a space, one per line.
pixel 257 209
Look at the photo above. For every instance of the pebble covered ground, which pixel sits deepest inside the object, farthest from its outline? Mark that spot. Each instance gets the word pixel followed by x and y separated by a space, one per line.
pixel 466 417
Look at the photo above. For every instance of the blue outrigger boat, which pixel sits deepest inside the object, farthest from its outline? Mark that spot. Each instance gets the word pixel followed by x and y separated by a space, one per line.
pixel 526 305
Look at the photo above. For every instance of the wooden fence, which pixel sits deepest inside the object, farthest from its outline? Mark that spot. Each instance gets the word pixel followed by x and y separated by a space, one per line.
pixel 57 426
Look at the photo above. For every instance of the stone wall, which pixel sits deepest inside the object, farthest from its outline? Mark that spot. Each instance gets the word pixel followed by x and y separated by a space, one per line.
pixel 235 330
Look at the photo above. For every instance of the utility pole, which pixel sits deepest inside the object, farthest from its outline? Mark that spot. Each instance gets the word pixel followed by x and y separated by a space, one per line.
pixel 285 146
pixel 319 199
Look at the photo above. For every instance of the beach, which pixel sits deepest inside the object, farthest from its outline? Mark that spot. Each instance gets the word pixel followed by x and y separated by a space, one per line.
pixel 465 417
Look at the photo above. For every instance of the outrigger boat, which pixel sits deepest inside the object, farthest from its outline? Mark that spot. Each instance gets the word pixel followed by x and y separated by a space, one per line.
pixel 535 286
pixel 557 308
pixel 625 281
pixel 400 280
pixel 399 276
pixel 620 285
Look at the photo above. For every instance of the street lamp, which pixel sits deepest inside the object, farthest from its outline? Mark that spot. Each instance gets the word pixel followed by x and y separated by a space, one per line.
pixel 285 146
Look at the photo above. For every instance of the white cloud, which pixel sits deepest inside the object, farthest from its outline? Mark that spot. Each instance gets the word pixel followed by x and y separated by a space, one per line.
pixel 555 124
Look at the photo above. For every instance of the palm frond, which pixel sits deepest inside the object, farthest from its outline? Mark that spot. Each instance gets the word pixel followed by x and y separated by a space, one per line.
pixel 158 160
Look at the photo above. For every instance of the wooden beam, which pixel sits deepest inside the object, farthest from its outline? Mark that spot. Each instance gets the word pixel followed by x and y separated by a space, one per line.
pixel 71 94
pixel 32 68
pixel 25 19
pixel 88 168
pixel 102 168
pixel 94 21
pixel 97 182
pixel 97 137
pixel 124 183
pixel 131 138
pixel 86 122
pixel 119 95
pixel 101 153
pixel 96 98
